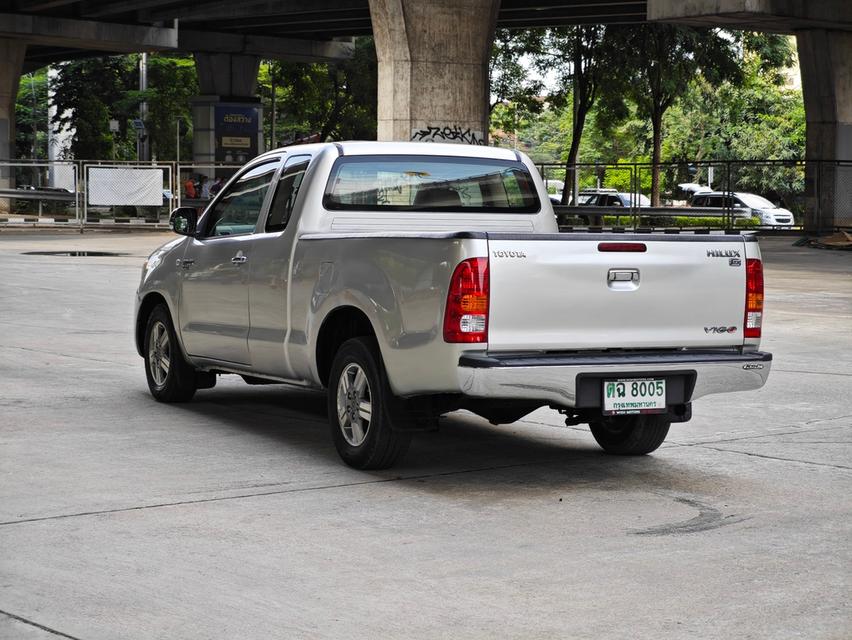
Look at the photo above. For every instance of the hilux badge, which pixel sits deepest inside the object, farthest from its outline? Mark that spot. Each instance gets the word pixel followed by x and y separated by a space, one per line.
pixel 723 253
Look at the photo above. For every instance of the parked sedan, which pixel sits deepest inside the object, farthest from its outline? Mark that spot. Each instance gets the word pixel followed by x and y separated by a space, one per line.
pixel 746 205
pixel 611 198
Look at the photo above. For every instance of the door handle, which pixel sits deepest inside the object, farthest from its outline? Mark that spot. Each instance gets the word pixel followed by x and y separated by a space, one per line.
pixel 623 275
pixel 623 279
pixel 239 258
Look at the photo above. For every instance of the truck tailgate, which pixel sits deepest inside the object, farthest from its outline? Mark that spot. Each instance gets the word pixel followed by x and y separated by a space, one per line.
pixel 588 291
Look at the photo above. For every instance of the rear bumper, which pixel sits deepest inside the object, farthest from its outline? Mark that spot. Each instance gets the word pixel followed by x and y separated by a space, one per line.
pixel 563 379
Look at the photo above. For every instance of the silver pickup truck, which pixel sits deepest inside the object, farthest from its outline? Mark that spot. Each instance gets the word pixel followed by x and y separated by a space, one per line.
pixel 414 279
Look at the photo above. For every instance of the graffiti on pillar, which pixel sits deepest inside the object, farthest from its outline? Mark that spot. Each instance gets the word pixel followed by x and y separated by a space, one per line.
pixel 453 133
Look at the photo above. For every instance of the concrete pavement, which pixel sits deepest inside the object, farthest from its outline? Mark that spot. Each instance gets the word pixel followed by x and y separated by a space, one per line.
pixel 232 517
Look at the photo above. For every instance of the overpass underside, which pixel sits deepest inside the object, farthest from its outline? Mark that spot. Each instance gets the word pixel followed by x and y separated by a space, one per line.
pixel 432 54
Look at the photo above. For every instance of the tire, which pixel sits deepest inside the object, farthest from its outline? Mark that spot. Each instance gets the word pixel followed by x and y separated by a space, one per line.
pixel 170 377
pixel 358 408
pixel 631 435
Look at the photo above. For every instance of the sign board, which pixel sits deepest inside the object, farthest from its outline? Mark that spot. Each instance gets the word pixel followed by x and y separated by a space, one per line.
pixel 236 128
pixel 111 186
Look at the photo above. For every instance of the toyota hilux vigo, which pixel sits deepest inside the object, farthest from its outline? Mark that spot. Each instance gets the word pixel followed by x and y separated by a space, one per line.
pixel 409 280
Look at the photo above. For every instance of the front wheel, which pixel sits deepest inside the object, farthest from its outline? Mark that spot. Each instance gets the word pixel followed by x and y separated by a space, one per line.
pixel 358 411
pixel 631 435
pixel 170 377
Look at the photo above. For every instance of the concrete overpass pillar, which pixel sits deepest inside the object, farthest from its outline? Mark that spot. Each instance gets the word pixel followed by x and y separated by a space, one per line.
pixel 825 58
pixel 11 64
pixel 227 116
pixel 433 68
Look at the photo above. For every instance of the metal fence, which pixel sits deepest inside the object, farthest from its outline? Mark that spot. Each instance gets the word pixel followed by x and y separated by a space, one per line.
pixel 818 194
pixel 99 193
pixel 102 193
pixel 33 192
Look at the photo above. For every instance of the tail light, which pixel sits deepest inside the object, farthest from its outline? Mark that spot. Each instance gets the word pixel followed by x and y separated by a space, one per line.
pixel 629 247
pixel 754 298
pixel 466 314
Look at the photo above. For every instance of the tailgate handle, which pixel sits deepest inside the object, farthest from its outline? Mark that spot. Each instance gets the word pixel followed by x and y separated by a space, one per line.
pixel 623 275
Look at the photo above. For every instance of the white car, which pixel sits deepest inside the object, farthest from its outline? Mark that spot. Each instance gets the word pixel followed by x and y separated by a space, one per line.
pixel 746 205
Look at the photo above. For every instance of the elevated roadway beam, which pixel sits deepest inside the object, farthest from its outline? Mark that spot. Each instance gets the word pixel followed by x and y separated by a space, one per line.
pixel 86 34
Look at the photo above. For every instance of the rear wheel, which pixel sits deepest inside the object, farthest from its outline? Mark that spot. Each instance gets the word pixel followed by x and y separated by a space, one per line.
pixel 358 408
pixel 170 377
pixel 631 435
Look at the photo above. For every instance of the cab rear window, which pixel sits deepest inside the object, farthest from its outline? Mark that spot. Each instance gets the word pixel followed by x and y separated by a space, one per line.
pixel 430 183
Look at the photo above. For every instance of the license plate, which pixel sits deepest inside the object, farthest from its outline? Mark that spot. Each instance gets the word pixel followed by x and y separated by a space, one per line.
pixel 634 395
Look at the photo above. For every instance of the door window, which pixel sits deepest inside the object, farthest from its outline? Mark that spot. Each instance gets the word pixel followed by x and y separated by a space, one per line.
pixel 286 192
pixel 237 210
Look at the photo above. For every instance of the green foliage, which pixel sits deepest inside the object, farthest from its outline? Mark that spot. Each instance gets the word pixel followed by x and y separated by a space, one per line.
pixel 31 116
pixel 727 104
pixel 660 61
pixel 515 96
pixel 682 221
pixel 87 94
pixel 336 101
pixel 758 120
pixel 172 81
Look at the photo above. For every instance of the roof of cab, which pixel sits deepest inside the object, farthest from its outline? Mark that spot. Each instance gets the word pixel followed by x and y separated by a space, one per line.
pixel 367 148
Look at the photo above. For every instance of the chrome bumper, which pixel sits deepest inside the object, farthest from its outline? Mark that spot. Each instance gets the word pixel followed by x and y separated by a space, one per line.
pixel 553 379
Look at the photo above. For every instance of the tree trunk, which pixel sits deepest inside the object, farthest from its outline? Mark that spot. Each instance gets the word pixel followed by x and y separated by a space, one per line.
pixel 574 151
pixel 657 124
pixel 580 107
pixel 273 142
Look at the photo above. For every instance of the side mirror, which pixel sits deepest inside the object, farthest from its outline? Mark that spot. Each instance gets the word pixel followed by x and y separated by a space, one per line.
pixel 183 221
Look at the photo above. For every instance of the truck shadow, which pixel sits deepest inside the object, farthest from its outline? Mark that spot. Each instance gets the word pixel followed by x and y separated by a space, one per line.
pixel 466 453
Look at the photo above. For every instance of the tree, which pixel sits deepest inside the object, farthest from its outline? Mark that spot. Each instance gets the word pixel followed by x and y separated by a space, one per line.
pixel 515 96
pixel 585 61
pixel 172 81
pixel 87 94
pixel 758 120
pixel 31 116
pixel 660 62
pixel 332 101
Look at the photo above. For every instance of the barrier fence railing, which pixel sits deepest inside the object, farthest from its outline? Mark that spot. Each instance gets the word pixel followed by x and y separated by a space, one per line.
pixel 35 191
pixel 97 193
pixel 817 193
pixel 814 194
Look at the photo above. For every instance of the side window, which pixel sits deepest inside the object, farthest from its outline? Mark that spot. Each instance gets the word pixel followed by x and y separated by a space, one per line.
pixel 517 186
pixel 286 192
pixel 237 211
pixel 699 201
pixel 714 201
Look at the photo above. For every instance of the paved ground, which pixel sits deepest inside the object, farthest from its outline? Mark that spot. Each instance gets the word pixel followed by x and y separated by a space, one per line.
pixel 231 517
